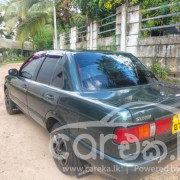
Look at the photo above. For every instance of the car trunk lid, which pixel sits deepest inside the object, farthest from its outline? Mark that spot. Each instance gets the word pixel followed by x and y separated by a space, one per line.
pixel 146 103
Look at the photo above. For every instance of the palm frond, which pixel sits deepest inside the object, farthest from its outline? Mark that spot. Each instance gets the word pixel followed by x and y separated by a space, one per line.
pixel 26 5
pixel 31 25
pixel 11 24
pixel 11 9
pixel 10 12
pixel 41 7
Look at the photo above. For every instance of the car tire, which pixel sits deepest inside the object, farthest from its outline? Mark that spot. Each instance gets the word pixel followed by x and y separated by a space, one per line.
pixel 11 107
pixel 67 165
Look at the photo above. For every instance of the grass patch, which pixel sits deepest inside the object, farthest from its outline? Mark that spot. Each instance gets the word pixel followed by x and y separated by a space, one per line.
pixel 16 61
pixel 12 62
pixel 172 81
pixel 1 63
pixel 20 60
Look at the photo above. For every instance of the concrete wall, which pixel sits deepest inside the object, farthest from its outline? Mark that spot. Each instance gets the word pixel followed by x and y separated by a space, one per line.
pixel 133 29
pixel 165 49
pixel 82 45
pixel 73 38
pixel 105 42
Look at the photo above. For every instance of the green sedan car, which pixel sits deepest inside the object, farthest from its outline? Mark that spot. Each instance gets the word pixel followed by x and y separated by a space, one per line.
pixel 105 111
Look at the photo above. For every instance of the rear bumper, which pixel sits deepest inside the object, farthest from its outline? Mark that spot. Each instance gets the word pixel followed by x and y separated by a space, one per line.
pixel 112 168
pixel 132 169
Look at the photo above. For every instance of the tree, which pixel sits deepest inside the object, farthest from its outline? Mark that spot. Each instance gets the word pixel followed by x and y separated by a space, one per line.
pixel 109 4
pixel 1 26
pixel 68 15
pixel 91 9
pixel 28 16
pixel 3 32
pixel 43 39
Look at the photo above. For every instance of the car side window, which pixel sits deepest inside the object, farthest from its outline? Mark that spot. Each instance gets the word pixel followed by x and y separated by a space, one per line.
pixel 47 70
pixel 28 69
pixel 58 77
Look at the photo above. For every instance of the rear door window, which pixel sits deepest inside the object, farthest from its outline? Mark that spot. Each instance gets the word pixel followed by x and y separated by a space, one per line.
pixel 48 69
pixel 58 77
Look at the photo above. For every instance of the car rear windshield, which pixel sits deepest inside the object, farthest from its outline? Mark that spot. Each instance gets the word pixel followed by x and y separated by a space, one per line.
pixel 107 71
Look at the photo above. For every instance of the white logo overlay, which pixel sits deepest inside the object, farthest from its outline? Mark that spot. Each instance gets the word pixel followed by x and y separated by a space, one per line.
pixel 148 149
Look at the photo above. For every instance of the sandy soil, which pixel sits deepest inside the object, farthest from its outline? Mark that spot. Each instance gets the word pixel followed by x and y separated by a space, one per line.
pixel 24 147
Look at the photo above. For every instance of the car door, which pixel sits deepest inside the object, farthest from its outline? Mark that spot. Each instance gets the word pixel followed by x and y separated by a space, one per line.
pixel 42 97
pixel 19 84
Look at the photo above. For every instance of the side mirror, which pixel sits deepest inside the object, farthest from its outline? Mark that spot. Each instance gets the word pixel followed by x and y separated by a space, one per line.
pixel 13 72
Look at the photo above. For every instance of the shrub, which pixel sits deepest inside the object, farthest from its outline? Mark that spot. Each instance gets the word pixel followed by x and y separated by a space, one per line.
pixel 161 72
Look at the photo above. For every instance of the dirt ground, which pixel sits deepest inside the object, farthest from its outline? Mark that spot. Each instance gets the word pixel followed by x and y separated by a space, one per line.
pixel 24 148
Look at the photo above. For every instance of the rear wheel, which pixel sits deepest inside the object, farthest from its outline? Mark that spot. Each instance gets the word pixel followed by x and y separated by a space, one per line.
pixel 11 107
pixel 62 152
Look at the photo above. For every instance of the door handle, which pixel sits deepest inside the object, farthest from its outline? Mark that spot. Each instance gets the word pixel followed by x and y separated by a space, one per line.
pixel 24 86
pixel 50 97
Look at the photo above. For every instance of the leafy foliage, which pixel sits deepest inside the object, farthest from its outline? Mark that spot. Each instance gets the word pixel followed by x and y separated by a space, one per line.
pixel 67 15
pixel 107 27
pixel 28 16
pixel 43 39
pixel 113 46
pixel 109 3
pixel 146 4
pixel 25 16
pixel 162 11
pixel 92 10
pixel 161 72
pixel 31 24
pixel 14 55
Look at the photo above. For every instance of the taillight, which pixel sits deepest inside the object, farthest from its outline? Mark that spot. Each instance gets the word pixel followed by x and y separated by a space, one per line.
pixel 134 134
pixel 163 126
pixel 142 132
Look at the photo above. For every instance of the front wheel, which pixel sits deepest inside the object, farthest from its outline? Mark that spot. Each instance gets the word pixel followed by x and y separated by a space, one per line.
pixel 10 105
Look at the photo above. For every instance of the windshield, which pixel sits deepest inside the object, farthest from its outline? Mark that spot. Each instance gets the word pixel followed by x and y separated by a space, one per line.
pixel 106 71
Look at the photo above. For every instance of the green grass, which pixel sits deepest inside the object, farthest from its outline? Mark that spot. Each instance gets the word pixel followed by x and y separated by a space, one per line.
pixel 172 81
pixel 1 63
pixel 16 61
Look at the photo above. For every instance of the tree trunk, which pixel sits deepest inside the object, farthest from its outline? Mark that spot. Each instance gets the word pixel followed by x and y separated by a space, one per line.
pixel 3 54
pixel 33 49
pixel 22 49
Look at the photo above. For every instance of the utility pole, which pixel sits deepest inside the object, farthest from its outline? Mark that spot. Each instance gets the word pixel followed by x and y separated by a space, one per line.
pixel 55 25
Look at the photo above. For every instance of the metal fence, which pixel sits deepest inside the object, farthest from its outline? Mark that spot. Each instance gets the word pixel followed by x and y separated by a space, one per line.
pixel 169 22
pixel 82 32
pixel 107 26
pixel 170 15
pixel 67 37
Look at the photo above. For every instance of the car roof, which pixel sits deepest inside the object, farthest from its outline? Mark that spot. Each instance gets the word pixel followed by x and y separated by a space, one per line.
pixel 61 52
